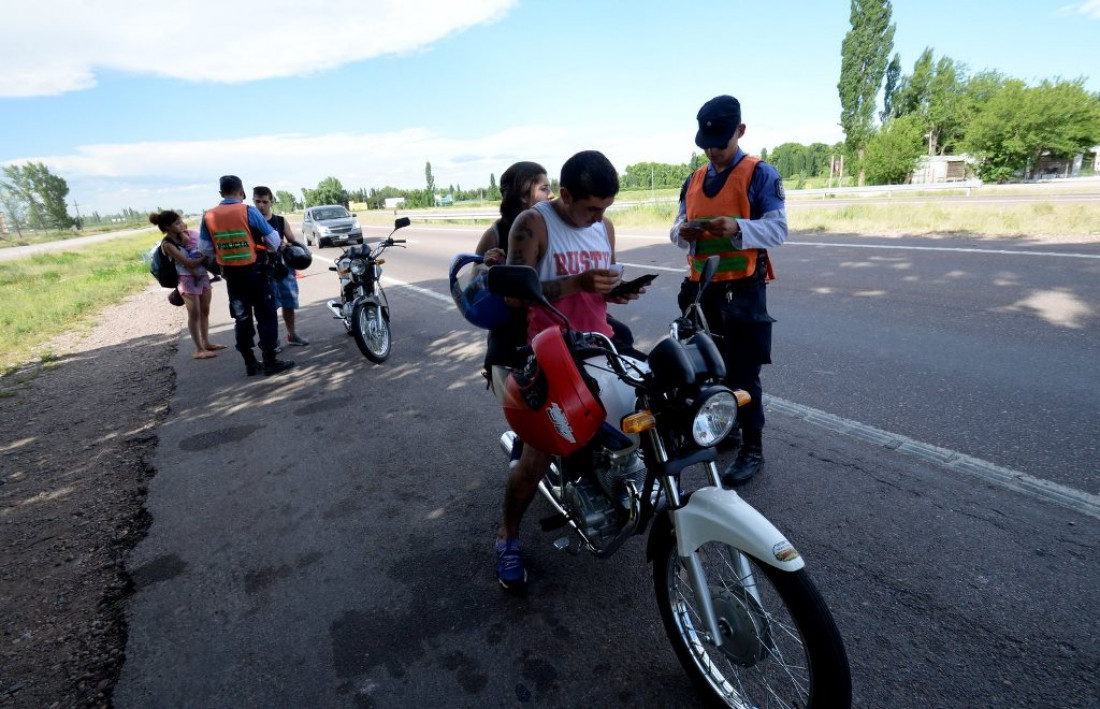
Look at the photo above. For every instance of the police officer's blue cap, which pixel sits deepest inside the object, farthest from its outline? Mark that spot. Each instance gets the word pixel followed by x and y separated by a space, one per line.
pixel 229 184
pixel 718 120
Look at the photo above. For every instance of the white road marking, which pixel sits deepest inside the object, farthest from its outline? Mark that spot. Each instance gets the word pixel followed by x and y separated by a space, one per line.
pixel 955 249
pixel 393 281
pixel 1071 498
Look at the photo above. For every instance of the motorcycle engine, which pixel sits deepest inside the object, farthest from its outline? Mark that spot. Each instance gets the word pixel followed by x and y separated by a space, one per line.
pixel 600 500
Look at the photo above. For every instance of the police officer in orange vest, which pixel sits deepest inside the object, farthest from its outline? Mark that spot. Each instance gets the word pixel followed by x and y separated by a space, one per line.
pixel 239 237
pixel 733 207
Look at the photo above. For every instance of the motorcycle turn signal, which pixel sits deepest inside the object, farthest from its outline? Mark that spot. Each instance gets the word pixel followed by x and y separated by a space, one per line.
pixel 638 422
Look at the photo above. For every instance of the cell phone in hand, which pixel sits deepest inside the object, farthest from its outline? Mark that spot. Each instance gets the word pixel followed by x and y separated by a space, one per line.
pixel 628 287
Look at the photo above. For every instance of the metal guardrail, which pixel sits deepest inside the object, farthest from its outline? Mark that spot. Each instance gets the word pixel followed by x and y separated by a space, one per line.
pixel 889 190
pixel 822 192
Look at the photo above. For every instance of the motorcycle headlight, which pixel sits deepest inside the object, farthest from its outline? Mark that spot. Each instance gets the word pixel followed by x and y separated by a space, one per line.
pixel 715 416
pixel 358 266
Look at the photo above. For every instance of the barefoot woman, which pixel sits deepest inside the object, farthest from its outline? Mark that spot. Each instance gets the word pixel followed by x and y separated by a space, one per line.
pixel 182 246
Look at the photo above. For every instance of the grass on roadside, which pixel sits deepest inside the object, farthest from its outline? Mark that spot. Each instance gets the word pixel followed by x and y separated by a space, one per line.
pixel 1005 219
pixel 29 237
pixel 49 294
pixel 885 219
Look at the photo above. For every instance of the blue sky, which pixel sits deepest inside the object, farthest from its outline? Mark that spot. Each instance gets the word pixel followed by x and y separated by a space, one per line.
pixel 145 105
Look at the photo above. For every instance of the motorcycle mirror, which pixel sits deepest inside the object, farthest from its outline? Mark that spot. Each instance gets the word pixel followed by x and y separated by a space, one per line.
pixel 522 283
pixel 710 267
pixel 401 223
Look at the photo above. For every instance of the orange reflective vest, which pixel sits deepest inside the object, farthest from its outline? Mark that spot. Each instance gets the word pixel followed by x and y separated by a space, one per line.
pixel 731 201
pixel 233 242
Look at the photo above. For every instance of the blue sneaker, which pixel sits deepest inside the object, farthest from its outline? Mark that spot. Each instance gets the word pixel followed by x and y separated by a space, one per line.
pixel 510 570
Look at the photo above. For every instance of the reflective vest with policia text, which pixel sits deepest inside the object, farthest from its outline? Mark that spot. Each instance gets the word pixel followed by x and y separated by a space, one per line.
pixel 731 201
pixel 234 244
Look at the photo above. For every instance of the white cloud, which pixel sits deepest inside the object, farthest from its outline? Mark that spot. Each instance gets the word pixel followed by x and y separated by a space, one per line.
pixel 209 40
pixel 184 174
pixel 109 177
pixel 1089 8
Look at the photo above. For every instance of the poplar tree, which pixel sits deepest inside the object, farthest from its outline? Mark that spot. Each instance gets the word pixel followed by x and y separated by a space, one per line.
pixel 863 57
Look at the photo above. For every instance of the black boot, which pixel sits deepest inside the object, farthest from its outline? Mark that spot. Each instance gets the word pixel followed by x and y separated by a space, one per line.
pixel 749 462
pixel 251 366
pixel 274 366
pixel 731 442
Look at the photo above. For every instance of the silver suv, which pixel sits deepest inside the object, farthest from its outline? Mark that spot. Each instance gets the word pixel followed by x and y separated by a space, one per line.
pixel 331 224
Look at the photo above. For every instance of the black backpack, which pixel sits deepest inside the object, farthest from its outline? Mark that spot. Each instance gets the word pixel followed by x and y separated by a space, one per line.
pixel 163 268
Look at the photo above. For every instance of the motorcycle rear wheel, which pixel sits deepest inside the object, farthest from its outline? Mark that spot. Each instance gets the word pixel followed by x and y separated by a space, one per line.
pixel 781 650
pixel 372 331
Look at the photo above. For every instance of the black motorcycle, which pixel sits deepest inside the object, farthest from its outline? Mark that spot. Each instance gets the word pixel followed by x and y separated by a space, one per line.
pixel 363 308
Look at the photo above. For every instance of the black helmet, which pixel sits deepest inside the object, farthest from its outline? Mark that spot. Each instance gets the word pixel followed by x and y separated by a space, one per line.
pixel 297 256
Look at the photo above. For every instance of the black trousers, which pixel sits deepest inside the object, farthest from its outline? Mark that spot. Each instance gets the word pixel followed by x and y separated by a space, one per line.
pixel 252 307
pixel 737 311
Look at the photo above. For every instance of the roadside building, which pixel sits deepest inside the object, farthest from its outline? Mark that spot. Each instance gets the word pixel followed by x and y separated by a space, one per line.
pixel 937 169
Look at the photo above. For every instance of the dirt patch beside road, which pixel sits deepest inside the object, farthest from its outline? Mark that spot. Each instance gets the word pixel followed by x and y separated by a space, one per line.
pixel 75 439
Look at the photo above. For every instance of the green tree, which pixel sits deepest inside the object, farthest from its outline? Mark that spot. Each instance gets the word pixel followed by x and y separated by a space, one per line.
pixel 792 159
pixel 42 194
pixel 1018 125
pixel 284 201
pixel 429 178
pixel 653 175
pixel 893 151
pixel 862 67
pixel 912 90
pixel 377 197
pixel 328 191
pixel 14 207
pixel 893 79
pixel 494 191
pixel 936 92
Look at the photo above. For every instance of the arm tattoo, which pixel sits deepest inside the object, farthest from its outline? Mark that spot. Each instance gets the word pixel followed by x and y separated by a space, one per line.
pixel 522 232
pixel 552 290
pixel 519 238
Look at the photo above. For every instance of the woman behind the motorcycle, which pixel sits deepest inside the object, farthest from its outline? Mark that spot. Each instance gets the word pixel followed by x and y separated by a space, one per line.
pixel 572 247
pixel 522 186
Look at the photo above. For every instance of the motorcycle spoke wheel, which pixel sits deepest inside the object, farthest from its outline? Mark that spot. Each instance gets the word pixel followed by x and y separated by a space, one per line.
pixel 780 646
pixel 372 332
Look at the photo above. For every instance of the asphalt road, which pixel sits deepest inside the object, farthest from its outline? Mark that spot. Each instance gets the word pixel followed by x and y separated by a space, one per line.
pixel 323 538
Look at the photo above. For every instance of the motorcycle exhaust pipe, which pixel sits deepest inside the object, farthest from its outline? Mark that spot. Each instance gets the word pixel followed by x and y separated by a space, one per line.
pixel 335 308
pixel 507 440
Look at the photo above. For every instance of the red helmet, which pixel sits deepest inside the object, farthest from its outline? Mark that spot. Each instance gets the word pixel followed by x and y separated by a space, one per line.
pixel 553 410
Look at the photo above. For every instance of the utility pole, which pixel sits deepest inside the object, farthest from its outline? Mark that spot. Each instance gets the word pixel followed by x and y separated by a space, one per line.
pixel 79 221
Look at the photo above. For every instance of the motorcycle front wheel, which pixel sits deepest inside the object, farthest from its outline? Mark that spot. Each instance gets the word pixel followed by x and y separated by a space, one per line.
pixel 780 646
pixel 372 331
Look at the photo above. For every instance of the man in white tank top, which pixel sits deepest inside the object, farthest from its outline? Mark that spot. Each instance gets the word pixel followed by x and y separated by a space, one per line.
pixel 572 246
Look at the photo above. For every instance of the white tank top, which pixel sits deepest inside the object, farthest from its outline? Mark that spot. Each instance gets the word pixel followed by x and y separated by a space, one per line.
pixel 571 250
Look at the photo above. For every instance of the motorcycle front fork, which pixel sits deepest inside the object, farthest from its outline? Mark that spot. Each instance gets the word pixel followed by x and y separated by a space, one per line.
pixel 697 575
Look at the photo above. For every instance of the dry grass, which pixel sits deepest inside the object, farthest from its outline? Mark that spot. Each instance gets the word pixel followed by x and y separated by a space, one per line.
pixel 1073 222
